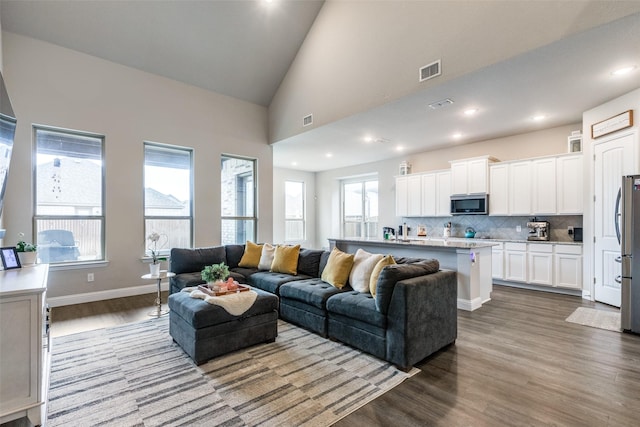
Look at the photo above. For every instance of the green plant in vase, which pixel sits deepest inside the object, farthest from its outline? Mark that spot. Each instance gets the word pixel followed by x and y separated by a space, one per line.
pixel 26 251
pixel 215 273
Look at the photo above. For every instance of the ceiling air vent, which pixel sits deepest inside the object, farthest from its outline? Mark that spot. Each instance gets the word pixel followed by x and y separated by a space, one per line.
pixel 307 120
pixel 441 103
pixel 430 71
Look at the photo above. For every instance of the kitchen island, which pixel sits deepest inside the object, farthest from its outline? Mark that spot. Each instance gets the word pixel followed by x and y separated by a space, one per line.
pixel 470 258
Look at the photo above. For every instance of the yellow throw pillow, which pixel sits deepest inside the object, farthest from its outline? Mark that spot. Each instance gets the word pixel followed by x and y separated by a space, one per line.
pixel 373 281
pixel 338 267
pixel 251 256
pixel 285 259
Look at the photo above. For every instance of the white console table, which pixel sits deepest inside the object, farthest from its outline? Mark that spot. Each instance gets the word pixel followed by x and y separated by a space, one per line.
pixel 24 344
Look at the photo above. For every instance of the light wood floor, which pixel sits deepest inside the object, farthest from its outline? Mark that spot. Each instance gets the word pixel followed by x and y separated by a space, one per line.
pixel 516 362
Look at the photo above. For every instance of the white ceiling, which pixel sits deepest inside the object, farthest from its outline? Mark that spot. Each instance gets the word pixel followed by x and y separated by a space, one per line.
pixel 238 48
pixel 244 48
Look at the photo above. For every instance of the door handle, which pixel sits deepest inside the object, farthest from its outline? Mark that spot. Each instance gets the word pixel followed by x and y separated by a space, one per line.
pixel 618 259
pixel 618 279
pixel 617 214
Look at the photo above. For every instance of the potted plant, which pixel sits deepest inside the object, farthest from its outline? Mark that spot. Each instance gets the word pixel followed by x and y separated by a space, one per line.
pixel 26 251
pixel 154 247
pixel 215 274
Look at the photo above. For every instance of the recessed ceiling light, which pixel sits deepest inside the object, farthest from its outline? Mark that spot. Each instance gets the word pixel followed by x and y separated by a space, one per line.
pixel 328 155
pixel 623 71
pixel 368 138
pixel 294 163
pixel 399 148
pixel 538 118
pixel 470 111
pixel 456 135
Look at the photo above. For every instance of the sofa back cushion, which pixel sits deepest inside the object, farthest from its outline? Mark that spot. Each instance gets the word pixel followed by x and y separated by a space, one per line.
pixel 392 274
pixel 184 260
pixel 234 255
pixel 309 262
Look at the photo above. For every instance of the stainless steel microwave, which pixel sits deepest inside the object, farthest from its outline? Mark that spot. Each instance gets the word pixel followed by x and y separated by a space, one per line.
pixel 473 204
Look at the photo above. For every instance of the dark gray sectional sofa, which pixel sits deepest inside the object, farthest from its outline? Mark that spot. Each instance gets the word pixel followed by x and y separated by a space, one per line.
pixel 413 314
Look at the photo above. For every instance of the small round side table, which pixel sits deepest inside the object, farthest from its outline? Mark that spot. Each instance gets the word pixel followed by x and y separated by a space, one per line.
pixel 163 274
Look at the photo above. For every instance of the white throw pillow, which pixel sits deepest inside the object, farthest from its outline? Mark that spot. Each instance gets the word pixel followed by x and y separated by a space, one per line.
pixel 363 264
pixel 266 259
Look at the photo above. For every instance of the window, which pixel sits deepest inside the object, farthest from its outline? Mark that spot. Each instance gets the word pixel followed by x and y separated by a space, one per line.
pixel 294 211
pixel 168 195
pixel 69 199
pixel 237 198
pixel 360 208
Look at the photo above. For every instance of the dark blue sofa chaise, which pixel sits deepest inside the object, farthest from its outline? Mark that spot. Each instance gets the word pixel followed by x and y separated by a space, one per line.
pixel 412 315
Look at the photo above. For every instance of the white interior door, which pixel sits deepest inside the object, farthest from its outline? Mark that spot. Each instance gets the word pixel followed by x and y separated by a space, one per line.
pixel 613 159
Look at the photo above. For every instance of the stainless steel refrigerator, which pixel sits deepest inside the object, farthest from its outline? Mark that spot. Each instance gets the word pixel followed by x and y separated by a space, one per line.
pixel 630 253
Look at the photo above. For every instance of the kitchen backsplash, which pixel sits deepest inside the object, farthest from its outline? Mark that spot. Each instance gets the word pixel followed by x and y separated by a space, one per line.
pixel 493 227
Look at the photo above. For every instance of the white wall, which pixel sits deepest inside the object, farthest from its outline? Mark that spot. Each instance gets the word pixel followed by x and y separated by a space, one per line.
pixel 309 178
pixel 50 85
pixel 545 142
pixel 629 101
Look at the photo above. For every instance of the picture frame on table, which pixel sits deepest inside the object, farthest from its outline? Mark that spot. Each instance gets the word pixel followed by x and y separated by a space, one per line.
pixel 9 256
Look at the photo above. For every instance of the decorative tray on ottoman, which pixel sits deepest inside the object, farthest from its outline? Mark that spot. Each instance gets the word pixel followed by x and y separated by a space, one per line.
pixel 208 291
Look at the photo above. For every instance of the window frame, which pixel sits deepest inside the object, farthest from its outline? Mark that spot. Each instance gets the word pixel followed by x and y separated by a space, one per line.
pixel 362 180
pixel 101 218
pixel 165 251
pixel 238 218
pixel 302 220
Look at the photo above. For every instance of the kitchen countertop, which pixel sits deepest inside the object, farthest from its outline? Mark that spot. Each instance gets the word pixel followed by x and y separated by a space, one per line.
pixel 454 242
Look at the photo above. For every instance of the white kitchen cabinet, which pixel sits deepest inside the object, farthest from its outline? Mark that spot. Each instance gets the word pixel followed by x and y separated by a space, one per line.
pixel 414 195
pixel 497 261
pixel 540 264
pixel 24 350
pixel 520 188
pixel 515 262
pixel 402 195
pixel 429 194
pixel 443 193
pixel 499 189
pixel 543 189
pixel 568 266
pixel 470 176
pixel 569 184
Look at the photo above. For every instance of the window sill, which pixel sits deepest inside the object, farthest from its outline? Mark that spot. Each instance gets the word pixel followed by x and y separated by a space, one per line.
pixel 77 265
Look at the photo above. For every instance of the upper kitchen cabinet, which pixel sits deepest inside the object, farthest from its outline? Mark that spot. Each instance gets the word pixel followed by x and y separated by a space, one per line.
pixel 570 181
pixel 543 186
pixel 423 194
pixel 470 176
pixel 402 195
pixel 409 195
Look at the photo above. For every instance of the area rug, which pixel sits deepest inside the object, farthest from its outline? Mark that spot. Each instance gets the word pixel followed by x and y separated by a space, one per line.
pixel 609 320
pixel 135 375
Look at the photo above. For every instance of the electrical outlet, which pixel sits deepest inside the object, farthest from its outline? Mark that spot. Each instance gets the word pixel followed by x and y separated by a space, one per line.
pixel 518 228
pixel 570 230
pixel 90 277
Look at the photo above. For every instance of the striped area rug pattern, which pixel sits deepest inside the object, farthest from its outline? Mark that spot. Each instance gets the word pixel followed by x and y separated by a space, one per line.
pixel 135 375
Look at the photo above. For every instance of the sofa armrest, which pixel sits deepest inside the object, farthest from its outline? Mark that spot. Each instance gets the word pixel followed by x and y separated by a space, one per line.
pixel 422 317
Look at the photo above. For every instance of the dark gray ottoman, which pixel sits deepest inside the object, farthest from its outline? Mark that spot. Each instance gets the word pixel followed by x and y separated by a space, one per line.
pixel 205 331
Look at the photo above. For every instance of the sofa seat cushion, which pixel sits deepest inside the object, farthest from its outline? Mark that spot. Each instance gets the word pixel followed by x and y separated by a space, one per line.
pixel 201 314
pixel 242 272
pixel 271 282
pixel 358 306
pixel 314 292
pixel 187 280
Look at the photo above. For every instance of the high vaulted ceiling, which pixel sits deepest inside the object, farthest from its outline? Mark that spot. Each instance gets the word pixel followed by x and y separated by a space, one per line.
pixel 251 49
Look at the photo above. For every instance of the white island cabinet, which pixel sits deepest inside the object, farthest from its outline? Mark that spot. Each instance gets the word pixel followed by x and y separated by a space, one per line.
pixel 24 347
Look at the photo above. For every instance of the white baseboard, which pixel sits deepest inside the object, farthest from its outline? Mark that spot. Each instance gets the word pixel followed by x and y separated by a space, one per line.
pixel 104 295
pixel 469 305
